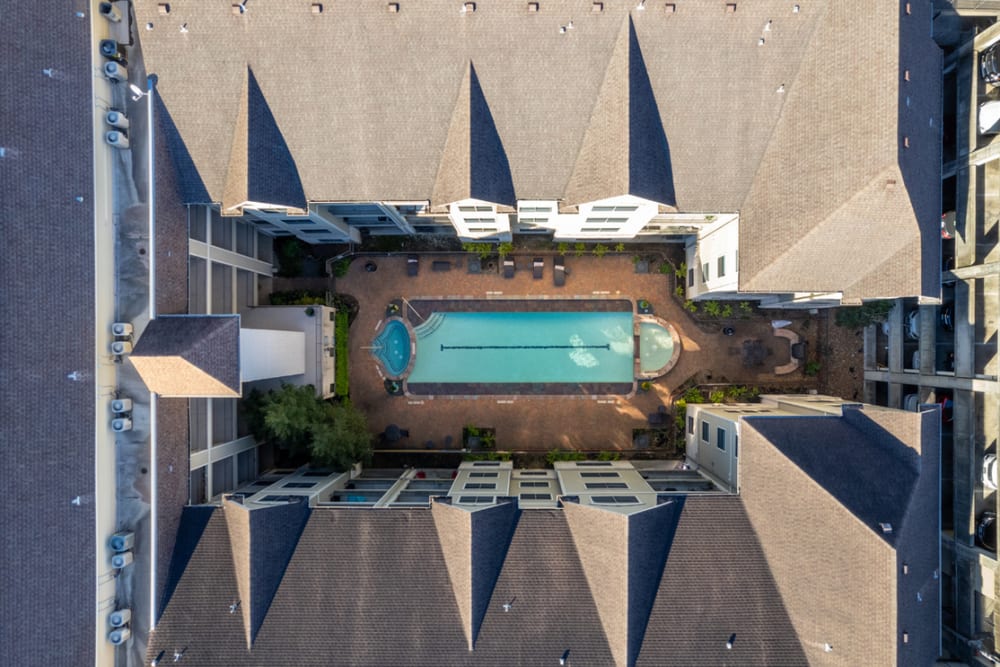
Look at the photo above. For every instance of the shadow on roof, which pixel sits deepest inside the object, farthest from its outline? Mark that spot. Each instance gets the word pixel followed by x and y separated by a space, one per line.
pixel 192 188
pixel 272 176
pixel 650 171
pixel 192 525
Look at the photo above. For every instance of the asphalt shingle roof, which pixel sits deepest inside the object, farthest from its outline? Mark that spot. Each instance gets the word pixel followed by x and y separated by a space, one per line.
pixel 48 356
pixel 190 355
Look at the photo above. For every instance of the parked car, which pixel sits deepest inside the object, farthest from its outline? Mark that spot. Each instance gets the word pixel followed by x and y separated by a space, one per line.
pixel 948 229
pixel 911 402
pixel 989 117
pixel 911 324
pixel 989 65
pixel 990 471
pixel 944 400
pixel 947 317
pixel 986 531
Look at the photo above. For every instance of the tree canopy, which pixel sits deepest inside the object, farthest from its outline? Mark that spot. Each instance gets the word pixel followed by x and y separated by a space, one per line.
pixel 334 434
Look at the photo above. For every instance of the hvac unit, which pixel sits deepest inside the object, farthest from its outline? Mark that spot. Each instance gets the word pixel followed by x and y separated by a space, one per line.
pixel 116 139
pixel 120 617
pixel 121 424
pixel 121 405
pixel 119 636
pixel 120 328
pixel 118 561
pixel 121 346
pixel 111 50
pixel 122 541
pixel 110 12
pixel 115 71
pixel 117 119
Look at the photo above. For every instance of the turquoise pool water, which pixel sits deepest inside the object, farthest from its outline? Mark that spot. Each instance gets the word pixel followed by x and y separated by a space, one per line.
pixel 656 347
pixel 392 347
pixel 524 347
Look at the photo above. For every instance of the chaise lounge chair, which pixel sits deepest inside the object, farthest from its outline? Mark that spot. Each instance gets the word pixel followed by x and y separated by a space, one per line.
pixel 537 267
pixel 508 268
pixel 412 265
pixel 559 271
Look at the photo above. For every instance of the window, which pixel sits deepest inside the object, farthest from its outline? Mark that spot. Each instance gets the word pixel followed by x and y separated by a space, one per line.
pixel 483 474
pixel 704 272
pixel 535 473
pixel 690 425
pixel 475 500
pixel 480 485
pixel 532 221
pixel 605 221
pixel 607 485
pixel 704 431
pixel 475 209
pixel 298 485
pixel 720 438
pixel 315 473
pixel 599 474
pixel 614 209
pixel 736 445
pixel 598 229
pixel 690 277
pixel 275 499
pixel 536 496
pixel 297 221
pixel 536 209
pixel 721 266
pixel 486 464
pixel 593 464
pixel 614 500
pixel 534 485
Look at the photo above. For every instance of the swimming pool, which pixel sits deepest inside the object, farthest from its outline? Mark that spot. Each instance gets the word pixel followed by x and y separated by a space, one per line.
pixel 392 347
pixel 524 347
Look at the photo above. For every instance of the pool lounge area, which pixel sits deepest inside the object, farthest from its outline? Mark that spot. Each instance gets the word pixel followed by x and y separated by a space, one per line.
pixel 524 347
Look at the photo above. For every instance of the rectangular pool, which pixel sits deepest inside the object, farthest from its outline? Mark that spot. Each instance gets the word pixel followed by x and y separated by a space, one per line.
pixel 523 348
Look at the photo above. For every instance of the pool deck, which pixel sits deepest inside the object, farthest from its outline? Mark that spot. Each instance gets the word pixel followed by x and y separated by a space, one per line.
pixel 537 423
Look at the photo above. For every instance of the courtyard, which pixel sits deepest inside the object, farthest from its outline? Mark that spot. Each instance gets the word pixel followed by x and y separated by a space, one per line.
pixel 541 423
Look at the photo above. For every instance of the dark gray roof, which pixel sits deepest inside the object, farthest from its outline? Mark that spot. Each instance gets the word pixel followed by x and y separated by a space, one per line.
pixel 48 357
pixel 190 355
pixel 373 588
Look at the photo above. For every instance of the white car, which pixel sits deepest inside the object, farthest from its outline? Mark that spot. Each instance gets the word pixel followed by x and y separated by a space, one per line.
pixel 989 117
pixel 990 471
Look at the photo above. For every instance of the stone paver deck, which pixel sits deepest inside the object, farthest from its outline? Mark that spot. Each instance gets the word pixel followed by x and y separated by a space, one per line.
pixel 538 422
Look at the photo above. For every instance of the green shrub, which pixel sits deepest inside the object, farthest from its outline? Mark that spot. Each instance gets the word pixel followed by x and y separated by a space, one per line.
pixel 505 249
pixel 812 368
pixel 579 249
pixel 712 308
pixel 693 395
pixel 340 333
pixel 563 248
pixel 484 250
pixel 681 272
pixel 856 317
pixel 340 267
pixel 288 250
pixel 619 247
pixel 717 396
pixel 727 310
pixel 690 306
pixel 563 455
pixel 600 250
pixel 488 456
pixel 666 268
pixel 608 455
pixel 745 308
pixel 679 291
pixel 297 297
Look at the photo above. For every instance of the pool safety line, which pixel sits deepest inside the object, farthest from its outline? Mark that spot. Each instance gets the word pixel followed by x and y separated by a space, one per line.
pixel 605 346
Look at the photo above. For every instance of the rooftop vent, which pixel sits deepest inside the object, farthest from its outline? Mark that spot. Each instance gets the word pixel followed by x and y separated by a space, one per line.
pixel 906 637
pixel 906 568
pixel 110 12
pixel 670 7
pixel 795 9
pixel 532 7
pixel 121 405
pixel 119 617
pixel 909 9
pixel 597 7
pixel 163 8
pixel 468 8
pixel 906 75
pixel 119 636
pixel 393 7
pixel 886 527
pixel 828 648
pixel 316 8
pixel 730 7
pixel 906 142
pixel 119 328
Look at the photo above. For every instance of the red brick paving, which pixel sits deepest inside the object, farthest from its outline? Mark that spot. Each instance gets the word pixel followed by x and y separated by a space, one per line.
pixel 532 422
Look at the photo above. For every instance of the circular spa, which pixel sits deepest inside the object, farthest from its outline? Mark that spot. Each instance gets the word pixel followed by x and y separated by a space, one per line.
pixel 392 348
pixel 659 346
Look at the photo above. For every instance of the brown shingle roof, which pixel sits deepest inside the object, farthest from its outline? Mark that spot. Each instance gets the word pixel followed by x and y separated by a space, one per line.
pixel 190 355
pixel 834 480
